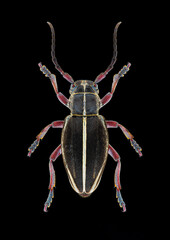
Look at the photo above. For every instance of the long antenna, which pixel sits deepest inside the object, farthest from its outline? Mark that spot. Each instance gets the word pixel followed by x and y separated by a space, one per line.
pixel 101 76
pixel 54 59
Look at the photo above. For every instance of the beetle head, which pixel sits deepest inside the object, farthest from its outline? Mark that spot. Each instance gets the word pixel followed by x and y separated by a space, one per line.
pixel 84 86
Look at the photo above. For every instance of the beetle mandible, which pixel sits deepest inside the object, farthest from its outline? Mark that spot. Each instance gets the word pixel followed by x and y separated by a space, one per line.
pixel 84 140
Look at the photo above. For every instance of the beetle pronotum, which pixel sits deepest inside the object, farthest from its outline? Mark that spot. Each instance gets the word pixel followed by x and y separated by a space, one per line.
pixel 85 140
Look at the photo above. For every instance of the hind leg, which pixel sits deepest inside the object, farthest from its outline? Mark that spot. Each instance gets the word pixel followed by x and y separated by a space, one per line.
pixel 112 152
pixel 53 157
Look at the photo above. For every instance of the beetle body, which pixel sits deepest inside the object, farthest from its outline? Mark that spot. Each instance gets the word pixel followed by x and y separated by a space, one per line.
pixel 84 140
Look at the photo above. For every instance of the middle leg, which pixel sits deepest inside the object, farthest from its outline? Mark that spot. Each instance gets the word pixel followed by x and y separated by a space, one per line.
pixel 128 135
pixel 40 136
pixel 112 152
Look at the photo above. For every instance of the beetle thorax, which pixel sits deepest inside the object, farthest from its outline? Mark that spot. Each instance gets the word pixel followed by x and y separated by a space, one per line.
pixel 84 99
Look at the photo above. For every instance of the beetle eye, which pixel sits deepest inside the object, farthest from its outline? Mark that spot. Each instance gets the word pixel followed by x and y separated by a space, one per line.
pixel 72 86
pixel 95 85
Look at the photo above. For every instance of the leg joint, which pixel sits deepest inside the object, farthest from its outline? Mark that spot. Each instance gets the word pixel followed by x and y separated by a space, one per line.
pixel 112 124
pixel 58 124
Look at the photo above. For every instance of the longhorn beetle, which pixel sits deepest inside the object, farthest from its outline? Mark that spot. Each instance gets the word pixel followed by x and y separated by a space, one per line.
pixel 84 139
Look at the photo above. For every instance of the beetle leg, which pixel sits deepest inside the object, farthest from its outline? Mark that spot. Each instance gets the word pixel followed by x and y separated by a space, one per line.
pixel 116 78
pixel 52 78
pixel 134 144
pixel 40 136
pixel 129 136
pixel 53 157
pixel 112 152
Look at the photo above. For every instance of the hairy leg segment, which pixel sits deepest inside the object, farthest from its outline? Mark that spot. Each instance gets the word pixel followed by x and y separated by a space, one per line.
pixel 53 157
pixel 134 144
pixel 112 152
pixel 40 136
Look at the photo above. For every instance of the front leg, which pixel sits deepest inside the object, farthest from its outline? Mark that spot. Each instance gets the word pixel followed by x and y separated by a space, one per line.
pixel 56 124
pixel 134 144
pixel 116 78
pixel 52 78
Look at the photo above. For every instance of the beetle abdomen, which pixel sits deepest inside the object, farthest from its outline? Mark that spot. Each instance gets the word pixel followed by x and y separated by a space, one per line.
pixel 84 149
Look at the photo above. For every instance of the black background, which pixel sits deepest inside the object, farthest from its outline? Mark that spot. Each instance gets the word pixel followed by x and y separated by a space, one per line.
pixel 84 36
